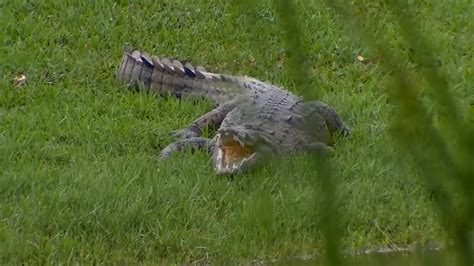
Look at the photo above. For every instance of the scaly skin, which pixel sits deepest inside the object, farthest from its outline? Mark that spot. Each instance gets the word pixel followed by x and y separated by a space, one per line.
pixel 255 119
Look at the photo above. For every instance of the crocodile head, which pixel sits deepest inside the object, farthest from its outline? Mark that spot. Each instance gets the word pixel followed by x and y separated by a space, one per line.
pixel 238 149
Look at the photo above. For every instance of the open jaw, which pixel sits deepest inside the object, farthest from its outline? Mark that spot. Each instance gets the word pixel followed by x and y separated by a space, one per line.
pixel 232 153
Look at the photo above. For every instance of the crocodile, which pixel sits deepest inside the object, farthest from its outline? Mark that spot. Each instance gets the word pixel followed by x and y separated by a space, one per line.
pixel 255 120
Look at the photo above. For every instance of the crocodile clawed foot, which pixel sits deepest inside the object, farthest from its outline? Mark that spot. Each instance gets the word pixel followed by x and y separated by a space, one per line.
pixel 184 134
pixel 194 143
pixel 170 149
pixel 346 132
pixel 165 154
pixel 320 148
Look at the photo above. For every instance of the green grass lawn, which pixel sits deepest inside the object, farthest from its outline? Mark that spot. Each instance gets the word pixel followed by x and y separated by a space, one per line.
pixel 80 180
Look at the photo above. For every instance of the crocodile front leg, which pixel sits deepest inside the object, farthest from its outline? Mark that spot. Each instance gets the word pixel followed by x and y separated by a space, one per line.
pixel 333 120
pixel 213 118
pixel 320 148
pixel 195 143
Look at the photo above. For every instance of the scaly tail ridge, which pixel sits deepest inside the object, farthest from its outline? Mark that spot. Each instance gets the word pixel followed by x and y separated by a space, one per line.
pixel 167 76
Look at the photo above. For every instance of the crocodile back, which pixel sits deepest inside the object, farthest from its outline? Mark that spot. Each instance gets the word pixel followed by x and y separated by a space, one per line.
pixel 280 115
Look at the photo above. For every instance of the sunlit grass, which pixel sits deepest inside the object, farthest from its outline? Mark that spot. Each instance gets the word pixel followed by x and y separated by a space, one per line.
pixel 80 180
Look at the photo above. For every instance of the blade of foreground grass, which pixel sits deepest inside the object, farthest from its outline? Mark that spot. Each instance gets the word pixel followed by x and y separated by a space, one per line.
pixel 295 67
pixel 458 130
pixel 414 130
pixel 288 14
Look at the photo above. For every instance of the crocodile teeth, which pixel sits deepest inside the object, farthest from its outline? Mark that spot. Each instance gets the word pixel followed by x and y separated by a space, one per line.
pixel 248 158
pixel 220 154
pixel 238 140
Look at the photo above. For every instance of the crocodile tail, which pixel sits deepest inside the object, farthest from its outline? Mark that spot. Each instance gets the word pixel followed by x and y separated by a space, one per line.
pixel 166 76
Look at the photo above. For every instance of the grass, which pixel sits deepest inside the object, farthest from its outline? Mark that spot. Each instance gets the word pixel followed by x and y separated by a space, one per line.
pixel 79 175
